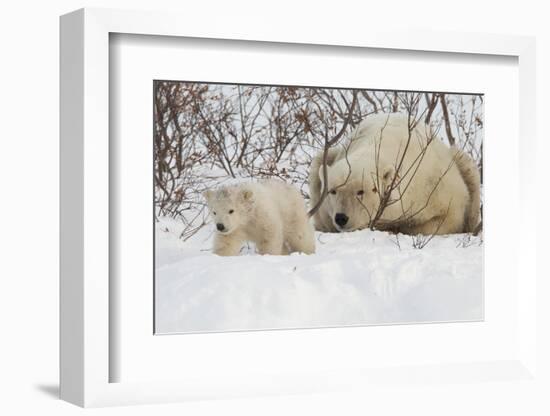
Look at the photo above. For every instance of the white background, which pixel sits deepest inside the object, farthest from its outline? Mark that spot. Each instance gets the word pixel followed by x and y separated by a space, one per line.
pixel 29 209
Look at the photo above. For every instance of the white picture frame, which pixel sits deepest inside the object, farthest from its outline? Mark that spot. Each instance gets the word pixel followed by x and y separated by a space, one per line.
pixel 85 355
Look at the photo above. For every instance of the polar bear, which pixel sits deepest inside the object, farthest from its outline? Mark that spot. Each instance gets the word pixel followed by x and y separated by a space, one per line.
pixel 428 187
pixel 270 213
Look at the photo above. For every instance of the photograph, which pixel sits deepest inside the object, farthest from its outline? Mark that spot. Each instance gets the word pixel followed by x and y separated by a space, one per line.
pixel 294 207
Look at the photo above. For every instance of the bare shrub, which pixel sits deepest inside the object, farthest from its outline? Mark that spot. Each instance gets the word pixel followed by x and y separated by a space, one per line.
pixel 208 134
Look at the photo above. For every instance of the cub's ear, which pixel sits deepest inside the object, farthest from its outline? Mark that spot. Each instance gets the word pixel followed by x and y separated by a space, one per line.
pixel 388 173
pixel 207 195
pixel 247 195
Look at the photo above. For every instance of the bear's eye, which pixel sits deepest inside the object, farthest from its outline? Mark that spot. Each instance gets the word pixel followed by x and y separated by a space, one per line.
pixel 231 211
pixel 214 213
pixel 360 193
pixel 374 189
pixel 333 192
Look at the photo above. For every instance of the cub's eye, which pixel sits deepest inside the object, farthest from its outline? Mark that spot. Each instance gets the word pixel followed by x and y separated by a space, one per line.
pixel 333 192
pixel 231 211
pixel 214 213
pixel 360 193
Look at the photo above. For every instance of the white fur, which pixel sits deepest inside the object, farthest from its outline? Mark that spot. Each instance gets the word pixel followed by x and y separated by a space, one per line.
pixel 439 185
pixel 271 213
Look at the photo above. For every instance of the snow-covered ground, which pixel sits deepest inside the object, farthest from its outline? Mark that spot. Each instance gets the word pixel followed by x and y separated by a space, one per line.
pixel 359 278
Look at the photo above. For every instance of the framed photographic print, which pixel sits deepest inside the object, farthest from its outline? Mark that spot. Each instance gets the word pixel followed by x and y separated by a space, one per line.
pixel 253 214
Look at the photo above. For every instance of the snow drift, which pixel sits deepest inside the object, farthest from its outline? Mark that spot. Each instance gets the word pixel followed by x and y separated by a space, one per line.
pixel 359 278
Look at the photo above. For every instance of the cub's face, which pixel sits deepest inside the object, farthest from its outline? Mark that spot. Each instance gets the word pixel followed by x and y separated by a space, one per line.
pixel 228 208
pixel 353 199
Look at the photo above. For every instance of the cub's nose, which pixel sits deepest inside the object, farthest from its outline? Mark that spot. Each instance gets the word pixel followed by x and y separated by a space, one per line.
pixel 341 219
pixel 220 226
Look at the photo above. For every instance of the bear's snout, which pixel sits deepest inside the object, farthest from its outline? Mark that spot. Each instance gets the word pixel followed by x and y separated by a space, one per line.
pixel 220 226
pixel 341 219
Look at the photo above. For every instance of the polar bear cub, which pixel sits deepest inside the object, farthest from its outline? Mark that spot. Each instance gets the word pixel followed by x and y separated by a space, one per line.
pixel 271 214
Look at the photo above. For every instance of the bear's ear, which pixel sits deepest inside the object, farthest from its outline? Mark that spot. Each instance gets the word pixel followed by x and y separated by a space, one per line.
pixel 207 195
pixel 321 176
pixel 247 195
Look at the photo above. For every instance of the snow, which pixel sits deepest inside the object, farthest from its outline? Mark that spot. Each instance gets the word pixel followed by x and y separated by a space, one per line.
pixel 360 278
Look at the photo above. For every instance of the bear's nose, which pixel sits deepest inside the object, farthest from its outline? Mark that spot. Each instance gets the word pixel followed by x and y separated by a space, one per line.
pixel 220 226
pixel 341 219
